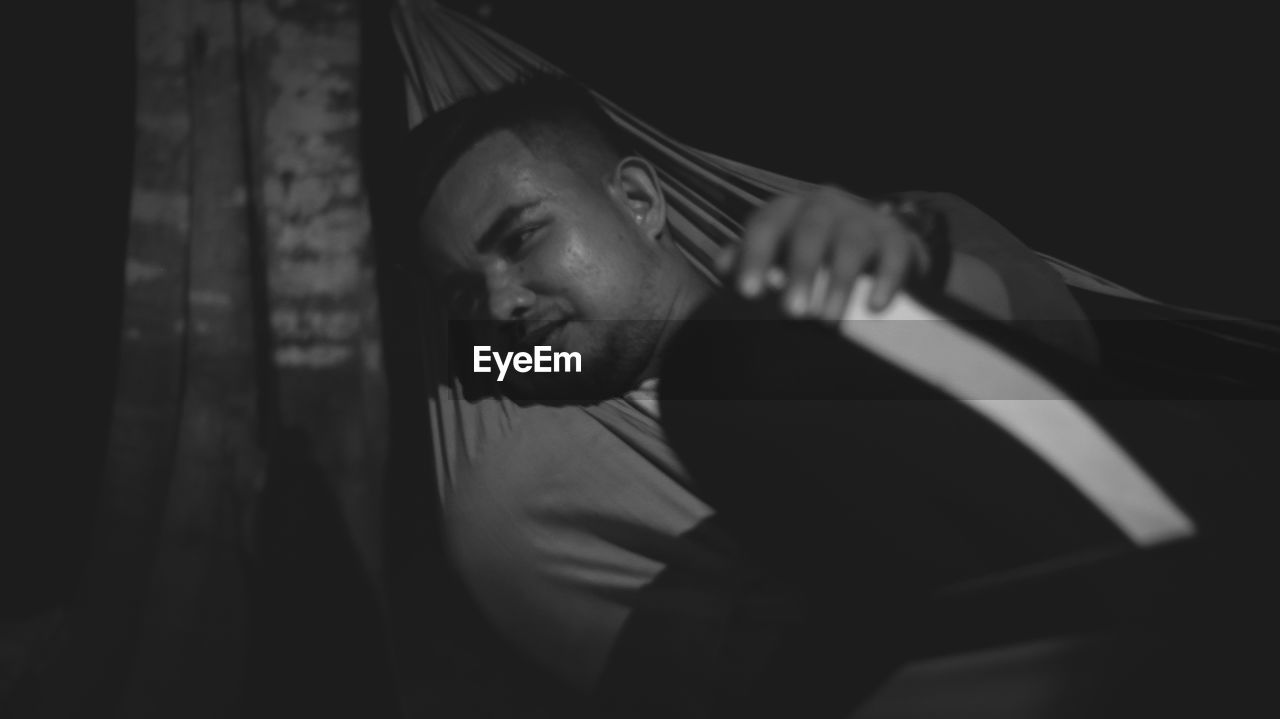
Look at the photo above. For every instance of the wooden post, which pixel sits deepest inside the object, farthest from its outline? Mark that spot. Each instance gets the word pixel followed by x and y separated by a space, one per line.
pixel 159 629
pixel 302 71
pixel 249 309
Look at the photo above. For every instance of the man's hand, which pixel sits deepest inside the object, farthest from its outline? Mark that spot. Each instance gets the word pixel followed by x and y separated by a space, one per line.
pixel 788 241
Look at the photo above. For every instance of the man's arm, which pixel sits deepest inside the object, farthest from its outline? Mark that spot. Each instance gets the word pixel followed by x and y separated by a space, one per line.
pixel 824 240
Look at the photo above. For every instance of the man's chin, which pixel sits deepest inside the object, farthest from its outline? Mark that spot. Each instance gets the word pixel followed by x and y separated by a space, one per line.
pixel 602 367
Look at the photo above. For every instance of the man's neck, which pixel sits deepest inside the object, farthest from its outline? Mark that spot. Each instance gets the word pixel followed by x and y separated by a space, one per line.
pixel 689 288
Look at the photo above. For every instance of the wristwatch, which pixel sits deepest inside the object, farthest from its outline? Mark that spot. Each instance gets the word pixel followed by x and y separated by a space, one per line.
pixel 931 227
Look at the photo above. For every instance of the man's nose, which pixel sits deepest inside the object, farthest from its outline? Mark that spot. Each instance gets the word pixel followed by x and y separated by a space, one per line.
pixel 508 297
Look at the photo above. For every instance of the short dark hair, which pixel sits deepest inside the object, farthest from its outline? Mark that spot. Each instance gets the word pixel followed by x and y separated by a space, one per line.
pixel 546 111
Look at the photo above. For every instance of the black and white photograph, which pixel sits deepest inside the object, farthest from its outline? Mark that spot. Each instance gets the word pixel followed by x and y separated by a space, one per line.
pixel 534 359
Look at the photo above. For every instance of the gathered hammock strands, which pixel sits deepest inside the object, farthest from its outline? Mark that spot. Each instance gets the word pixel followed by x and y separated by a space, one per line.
pixel 485 450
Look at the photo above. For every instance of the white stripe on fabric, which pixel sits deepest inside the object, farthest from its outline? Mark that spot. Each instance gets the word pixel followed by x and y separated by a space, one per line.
pixel 1024 404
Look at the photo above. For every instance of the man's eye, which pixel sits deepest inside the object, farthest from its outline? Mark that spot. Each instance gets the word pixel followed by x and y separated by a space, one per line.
pixel 517 242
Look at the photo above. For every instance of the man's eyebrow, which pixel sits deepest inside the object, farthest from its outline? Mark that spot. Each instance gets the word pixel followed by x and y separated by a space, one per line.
pixel 502 223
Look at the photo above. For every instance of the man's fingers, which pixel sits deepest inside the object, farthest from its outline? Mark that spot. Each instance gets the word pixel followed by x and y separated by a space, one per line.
pixel 726 260
pixel 821 243
pixel 808 246
pixel 849 258
pixel 891 269
pixel 760 242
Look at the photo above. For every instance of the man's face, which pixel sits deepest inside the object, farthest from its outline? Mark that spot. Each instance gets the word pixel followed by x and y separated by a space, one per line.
pixel 539 253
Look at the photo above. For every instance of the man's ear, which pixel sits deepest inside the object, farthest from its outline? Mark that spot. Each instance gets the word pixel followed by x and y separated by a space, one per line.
pixel 635 185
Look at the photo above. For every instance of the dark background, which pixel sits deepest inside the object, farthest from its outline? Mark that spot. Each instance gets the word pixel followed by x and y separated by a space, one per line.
pixel 1132 144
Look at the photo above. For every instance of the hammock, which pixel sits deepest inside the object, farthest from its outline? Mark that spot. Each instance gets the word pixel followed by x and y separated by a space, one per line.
pixel 448 57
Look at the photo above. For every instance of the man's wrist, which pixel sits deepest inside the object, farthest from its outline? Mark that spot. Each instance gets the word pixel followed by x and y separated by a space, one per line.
pixel 931 227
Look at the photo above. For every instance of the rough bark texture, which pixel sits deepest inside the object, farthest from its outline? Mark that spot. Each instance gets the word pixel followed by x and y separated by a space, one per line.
pixel 250 373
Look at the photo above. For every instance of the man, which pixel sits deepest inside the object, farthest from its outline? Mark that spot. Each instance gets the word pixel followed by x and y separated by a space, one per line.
pixel 539 225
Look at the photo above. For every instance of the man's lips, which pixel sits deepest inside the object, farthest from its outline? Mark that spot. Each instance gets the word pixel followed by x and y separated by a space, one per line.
pixel 540 334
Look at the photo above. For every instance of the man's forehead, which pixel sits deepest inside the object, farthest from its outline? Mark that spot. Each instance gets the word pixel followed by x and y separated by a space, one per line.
pixel 495 166
pixel 497 172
